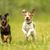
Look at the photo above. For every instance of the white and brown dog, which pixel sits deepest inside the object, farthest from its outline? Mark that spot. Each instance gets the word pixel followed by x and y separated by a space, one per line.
pixel 28 25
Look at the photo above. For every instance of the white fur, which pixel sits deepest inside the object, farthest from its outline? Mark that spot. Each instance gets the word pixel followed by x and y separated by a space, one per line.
pixel 28 29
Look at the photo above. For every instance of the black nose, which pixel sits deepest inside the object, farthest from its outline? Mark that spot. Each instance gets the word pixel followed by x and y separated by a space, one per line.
pixel 2 21
pixel 27 18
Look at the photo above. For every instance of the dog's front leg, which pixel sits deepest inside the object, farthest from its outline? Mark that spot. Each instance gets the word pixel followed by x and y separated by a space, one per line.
pixel 25 33
pixel 29 32
pixel 33 34
pixel 24 30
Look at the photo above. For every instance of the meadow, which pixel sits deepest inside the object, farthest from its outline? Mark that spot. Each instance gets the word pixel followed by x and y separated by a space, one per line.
pixel 15 19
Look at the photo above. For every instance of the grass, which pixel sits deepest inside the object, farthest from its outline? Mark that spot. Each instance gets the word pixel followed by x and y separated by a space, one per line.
pixel 18 39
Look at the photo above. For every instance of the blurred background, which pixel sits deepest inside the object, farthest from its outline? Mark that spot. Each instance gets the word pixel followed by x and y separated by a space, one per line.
pixel 13 7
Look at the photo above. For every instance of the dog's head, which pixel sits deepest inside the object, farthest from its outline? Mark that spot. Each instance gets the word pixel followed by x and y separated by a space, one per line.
pixel 27 14
pixel 4 19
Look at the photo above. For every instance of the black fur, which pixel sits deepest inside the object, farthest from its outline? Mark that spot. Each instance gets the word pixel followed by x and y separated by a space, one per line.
pixel 5 28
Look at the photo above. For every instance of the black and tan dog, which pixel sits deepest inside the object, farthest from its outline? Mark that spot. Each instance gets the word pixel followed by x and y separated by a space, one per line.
pixel 5 29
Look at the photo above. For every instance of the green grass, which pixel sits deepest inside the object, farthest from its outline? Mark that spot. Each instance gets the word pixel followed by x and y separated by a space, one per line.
pixel 18 39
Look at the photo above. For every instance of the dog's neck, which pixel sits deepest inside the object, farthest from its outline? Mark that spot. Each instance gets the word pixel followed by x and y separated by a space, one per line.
pixel 28 22
pixel 5 26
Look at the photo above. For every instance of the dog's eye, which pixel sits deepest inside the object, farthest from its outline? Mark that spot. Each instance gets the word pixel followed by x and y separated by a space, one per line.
pixel 29 15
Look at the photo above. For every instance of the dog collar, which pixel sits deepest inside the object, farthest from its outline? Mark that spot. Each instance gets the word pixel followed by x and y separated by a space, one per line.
pixel 29 22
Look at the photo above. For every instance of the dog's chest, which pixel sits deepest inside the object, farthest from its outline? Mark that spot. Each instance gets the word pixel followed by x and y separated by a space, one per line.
pixel 27 26
pixel 5 29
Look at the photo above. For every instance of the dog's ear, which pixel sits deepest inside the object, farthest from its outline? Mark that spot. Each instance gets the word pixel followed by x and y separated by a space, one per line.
pixel 0 16
pixel 33 10
pixel 6 14
pixel 24 11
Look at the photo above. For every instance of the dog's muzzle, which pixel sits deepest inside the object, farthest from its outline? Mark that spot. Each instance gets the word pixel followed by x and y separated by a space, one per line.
pixel 27 18
pixel 3 23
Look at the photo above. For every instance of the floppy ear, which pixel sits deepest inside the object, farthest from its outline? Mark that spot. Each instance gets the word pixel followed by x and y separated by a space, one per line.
pixel 0 16
pixel 6 14
pixel 24 11
pixel 33 10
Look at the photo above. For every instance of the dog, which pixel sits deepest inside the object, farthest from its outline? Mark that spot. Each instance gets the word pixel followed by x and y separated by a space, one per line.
pixel 28 26
pixel 5 29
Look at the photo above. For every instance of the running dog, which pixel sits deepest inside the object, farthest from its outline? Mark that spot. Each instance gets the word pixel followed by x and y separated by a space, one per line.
pixel 28 26
pixel 5 29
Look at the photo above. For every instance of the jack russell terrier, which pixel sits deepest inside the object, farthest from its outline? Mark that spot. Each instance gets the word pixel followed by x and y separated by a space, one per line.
pixel 28 26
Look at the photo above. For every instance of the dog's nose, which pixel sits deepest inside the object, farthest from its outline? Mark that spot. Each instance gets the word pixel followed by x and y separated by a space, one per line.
pixel 2 21
pixel 27 18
